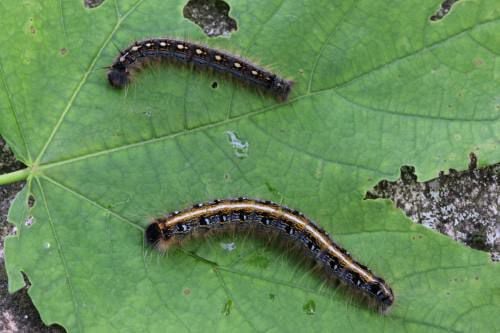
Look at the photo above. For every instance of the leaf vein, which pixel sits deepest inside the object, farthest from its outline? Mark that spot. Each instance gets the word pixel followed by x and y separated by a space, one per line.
pixel 83 80
pixel 92 202
pixel 406 56
pixel 62 257
pixel 14 113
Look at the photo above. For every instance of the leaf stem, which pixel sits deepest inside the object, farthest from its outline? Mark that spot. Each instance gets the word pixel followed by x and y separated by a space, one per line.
pixel 15 176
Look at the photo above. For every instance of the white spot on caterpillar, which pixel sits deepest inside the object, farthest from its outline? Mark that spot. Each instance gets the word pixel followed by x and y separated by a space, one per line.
pixel 163 44
pixel 240 147
pixel 237 65
pixel 198 51
pixel 135 48
pixel 218 57
pixel 181 47
pixel 148 44
pixel 255 73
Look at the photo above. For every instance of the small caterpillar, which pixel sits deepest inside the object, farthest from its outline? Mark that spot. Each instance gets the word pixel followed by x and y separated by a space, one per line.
pixel 146 51
pixel 243 213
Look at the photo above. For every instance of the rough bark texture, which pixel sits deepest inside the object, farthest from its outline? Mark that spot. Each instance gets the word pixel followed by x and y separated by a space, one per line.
pixel 462 205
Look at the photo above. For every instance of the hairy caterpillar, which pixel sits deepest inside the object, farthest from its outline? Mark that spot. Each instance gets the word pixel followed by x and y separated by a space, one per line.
pixel 150 50
pixel 243 213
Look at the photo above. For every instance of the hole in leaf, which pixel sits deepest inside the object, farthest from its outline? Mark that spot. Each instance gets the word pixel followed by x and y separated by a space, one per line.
pixel 31 201
pixel 211 15
pixel 215 85
pixel 92 3
pixel 443 10
pixel 461 204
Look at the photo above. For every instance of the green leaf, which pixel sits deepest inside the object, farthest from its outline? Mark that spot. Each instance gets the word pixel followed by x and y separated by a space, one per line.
pixel 377 86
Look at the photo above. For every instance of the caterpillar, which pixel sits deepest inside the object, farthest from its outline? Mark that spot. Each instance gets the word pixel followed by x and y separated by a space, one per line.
pixel 177 51
pixel 243 213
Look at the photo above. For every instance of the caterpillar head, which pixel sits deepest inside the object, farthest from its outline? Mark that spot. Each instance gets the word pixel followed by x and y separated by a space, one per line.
pixel 159 238
pixel 281 88
pixel 118 76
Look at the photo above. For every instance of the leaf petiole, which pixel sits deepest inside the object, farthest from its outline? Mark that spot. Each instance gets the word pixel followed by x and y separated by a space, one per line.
pixel 15 176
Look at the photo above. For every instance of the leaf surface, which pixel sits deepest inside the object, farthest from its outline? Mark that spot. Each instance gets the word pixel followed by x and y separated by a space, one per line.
pixel 377 85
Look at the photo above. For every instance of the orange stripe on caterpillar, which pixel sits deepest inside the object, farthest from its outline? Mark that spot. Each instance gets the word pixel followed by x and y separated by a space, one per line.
pixel 167 231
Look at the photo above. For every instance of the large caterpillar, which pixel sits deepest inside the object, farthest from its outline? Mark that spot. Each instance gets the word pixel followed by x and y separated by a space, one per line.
pixel 146 51
pixel 243 213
